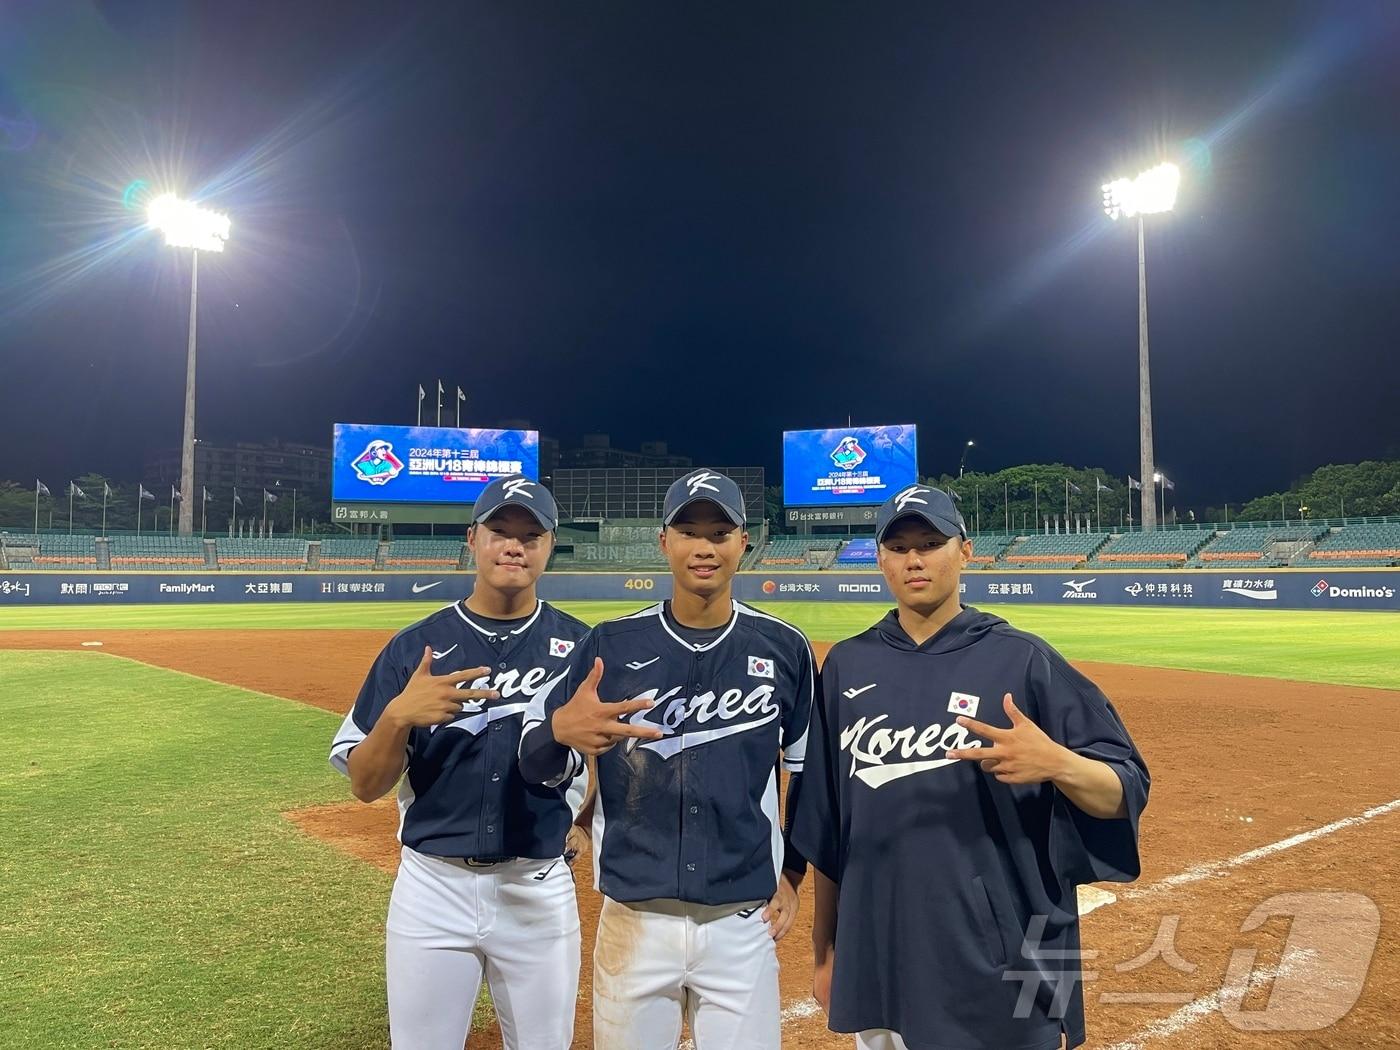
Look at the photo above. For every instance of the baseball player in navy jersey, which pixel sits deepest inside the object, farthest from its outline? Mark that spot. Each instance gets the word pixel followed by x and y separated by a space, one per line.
pixel 481 889
pixel 962 780
pixel 688 846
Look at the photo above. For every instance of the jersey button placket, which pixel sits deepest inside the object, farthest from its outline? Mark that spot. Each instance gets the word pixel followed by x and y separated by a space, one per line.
pixel 692 834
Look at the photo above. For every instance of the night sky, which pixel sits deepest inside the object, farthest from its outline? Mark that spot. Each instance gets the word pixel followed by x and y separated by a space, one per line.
pixel 708 224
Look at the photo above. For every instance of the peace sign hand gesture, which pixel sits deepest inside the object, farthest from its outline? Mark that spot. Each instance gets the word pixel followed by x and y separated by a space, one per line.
pixel 435 699
pixel 591 725
pixel 1022 754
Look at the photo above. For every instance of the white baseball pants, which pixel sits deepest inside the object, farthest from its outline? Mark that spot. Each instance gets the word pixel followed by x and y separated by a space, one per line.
pixel 451 924
pixel 657 962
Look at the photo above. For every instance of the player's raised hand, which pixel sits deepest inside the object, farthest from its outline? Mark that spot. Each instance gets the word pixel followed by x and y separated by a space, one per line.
pixel 1022 754
pixel 436 699
pixel 591 725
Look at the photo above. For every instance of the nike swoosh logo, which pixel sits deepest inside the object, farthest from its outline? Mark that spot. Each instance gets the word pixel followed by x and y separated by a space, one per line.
pixel 877 775
pixel 637 665
pixel 419 588
pixel 851 694
pixel 439 655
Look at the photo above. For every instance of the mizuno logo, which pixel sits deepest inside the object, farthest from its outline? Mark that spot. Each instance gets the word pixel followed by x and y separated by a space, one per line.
pixel 637 665
pixel 911 495
pixel 696 482
pixel 852 693
pixel 1079 586
pixel 439 655
pixel 419 588
pixel 518 487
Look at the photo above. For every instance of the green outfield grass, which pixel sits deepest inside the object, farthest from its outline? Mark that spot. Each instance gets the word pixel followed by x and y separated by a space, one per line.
pixel 154 895
pixel 1347 648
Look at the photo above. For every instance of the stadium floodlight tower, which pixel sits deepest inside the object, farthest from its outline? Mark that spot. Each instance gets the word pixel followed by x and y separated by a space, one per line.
pixel 187 225
pixel 1151 192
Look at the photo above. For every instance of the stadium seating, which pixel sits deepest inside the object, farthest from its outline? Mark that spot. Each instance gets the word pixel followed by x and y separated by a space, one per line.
pixel 1054 551
pixel 182 553
pixel 988 547
pixel 416 552
pixel 66 552
pixel 1358 545
pixel 859 552
pixel 348 552
pixel 17 550
pixel 1265 547
pixel 277 554
pixel 800 552
pixel 1163 549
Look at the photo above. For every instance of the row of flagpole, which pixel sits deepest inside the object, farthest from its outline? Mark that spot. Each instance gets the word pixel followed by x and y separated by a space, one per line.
pixel 143 494
pixel 1164 484
pixel 461 399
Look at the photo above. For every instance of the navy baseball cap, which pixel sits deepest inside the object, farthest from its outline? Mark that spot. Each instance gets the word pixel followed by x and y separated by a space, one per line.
pixel 920 501
pixel 704 484
pixel 516 490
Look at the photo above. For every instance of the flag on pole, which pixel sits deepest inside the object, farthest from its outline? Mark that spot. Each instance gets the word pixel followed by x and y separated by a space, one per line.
pixel 1133 484
pixel 106 491
pixel 1101 486
pixel 73 490
pixel 206 495
pixel 141 492
pixel 40 489
pixel 440 389
pixel 421 392
pixel 269 497
pixel 1074 488
pixel 956 497
pixel 175 495
pixel 237 499
pixel 1168 483
pixel 460 395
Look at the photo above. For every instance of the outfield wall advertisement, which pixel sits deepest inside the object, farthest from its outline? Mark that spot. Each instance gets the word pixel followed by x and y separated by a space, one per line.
pixel 382 464
pixel 1337 589
pixel 848 468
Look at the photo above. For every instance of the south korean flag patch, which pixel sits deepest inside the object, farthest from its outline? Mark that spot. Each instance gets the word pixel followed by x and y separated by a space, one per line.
pixel 559 647
pixel 760 667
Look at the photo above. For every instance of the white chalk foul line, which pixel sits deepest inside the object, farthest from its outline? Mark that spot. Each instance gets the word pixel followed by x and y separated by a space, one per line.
pixel 1200 1009
pixel 1214 869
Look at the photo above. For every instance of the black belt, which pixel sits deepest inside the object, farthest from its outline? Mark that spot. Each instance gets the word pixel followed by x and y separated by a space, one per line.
pixel 486 862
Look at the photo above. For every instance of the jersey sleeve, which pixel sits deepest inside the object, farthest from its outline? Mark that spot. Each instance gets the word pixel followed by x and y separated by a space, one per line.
pixel 1074 712
pixel 386 680
pixel 816 822
pixel 797 711
pixel 542 759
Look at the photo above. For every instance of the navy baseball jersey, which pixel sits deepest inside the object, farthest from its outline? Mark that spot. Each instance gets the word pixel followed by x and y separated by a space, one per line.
pixel 692 816
pixel 463 795
pixel 957 892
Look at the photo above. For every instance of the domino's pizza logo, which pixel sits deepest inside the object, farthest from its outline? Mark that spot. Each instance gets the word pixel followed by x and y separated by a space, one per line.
pixel 377 464
pixel 848 454
pixel 1319 588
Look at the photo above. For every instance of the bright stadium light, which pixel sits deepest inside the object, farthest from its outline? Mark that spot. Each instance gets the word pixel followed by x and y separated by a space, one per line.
pixel 187 225
pixel 1152 192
